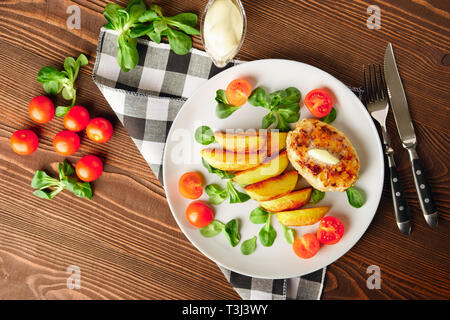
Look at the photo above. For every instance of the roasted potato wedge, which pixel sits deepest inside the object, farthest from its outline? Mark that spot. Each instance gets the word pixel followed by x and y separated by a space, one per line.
pixel 271 167
pixel 241 142
pixel 231 161
pixel 269 141
pixel 290 201
pixel 302 217
pixel 273 187
pixel 276 141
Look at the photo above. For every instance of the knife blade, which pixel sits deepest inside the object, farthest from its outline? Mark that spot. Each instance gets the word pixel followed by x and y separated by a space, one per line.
pixel 399 104
pixel 398 100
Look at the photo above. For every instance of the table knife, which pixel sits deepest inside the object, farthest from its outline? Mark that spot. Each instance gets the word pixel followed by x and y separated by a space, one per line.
pixel 405 129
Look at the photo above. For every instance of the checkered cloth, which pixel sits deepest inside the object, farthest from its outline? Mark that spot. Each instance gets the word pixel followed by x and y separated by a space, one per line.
pixel 146 100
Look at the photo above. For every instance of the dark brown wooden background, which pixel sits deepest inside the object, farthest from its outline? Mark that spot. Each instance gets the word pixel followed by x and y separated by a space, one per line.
pixel 125 240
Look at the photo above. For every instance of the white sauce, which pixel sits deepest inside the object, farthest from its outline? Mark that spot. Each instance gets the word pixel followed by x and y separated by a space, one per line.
pixel 223 29
pixel 323 156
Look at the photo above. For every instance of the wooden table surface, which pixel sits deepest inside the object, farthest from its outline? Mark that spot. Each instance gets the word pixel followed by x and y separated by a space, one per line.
pixel 125 241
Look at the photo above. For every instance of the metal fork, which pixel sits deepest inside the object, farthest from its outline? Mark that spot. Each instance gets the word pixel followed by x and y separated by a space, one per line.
pixel 376 101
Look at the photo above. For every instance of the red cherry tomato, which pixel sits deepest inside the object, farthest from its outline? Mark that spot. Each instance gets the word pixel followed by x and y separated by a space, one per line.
pixel 199 214
pixel 66 143
pixel 238 91
pixel 89 168
pixel 76 119
pixel 330 231
pixel 190 185
pixel 41 109
pixel 99 130
pixel 307 246
pixel 24 142
pixel 319 102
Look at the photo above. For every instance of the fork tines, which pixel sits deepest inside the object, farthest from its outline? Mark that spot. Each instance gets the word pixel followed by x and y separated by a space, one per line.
pixel 374 86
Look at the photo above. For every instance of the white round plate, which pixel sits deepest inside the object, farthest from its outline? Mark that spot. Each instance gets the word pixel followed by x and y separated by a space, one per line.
pixel 182 154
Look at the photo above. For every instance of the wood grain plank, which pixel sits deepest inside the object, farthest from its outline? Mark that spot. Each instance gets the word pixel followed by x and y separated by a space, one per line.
pixel 127 245
pixel 134 246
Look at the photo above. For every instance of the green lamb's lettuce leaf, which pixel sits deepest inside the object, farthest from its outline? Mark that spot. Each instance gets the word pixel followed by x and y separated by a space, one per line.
pixel 223 108
pixel 204 135
pixel 216 193
pixel 329 118
pixel 141 30
pixel 248 246
pixel 51 79
pixel 316 196
pixel 231 232
pixel 112 15
pixel 282 105
pixel 61 111
pixel 48 187
pixel 148 16
pixel 127 54
pixel 235 195
pixel 179 42
pixel 136 20
pixel 267 234
pixel 288 234
pixel 55 81
pixel 65 169
pixel 222 174
pixel 41 180
pixel 185 22
pixel 268 119
pixel 258 98
pixel 157 9
pixel 83 189
pixel 259 216
pixel 160 25
pixel 213 229
pixel 355 197
pixel 123 20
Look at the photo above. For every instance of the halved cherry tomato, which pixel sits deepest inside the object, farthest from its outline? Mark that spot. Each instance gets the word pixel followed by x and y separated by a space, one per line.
pixel 99 130
pixel 319 102
pixel 66 143
pixel 238 91
pixel 199 214
pixel 190 185
pixel 89 168
pixel 306 246
pixel 76 119
pixel 24 142
pixel 330 231
pixel 41 109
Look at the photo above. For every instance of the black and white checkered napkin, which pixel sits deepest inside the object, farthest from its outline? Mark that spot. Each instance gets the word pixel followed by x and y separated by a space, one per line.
pixel 146 100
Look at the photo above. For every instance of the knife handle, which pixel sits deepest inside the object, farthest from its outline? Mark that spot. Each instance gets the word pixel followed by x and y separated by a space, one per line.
pixel 401 209
pixel 423 190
